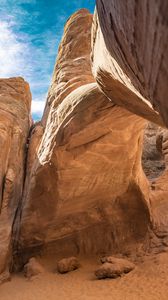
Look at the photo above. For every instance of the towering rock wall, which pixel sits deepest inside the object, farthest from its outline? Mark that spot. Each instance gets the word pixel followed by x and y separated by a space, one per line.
pixel 130 58
pixel 15 101
pixel 72 68
pixel 130 55
pixel 86 188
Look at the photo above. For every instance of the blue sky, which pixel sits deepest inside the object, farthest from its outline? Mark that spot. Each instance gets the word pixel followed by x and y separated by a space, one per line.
pixel 30 32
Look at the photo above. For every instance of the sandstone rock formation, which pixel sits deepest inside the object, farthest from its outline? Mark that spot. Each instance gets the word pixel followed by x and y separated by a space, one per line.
pixel 72 67
pixel 15 101
pixel 85 190
pixel 130 55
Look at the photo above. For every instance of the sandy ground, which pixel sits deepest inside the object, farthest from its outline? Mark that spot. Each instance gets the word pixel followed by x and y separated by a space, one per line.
pixel 148 281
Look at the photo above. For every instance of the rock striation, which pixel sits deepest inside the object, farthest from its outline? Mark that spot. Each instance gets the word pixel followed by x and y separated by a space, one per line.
pixel 86 191
pixel 72 68
pixel 130 55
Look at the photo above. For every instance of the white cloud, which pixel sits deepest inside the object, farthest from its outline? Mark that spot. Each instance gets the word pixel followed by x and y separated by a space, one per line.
pixel 13 51
pixel 28 53
pixel 19 57
pixel 38 107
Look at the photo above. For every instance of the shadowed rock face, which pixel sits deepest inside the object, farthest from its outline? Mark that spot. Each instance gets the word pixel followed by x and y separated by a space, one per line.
pixel 153 158
pixel 130 55
pixel 15 101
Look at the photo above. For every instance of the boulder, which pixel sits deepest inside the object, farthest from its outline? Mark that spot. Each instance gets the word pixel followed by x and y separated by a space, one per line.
pixel 5 277
pixel 33 268
pixel 67 265
pixel 126 264
pixel 113 267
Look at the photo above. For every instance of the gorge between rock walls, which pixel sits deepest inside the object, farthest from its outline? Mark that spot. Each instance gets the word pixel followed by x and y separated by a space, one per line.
pixel 73 183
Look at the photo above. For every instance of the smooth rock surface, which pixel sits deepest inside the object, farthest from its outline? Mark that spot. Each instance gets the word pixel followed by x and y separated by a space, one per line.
pixel 84 149
pixel 15 101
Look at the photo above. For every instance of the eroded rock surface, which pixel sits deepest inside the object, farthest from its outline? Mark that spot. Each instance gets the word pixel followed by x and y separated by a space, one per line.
pixel 130 55
pixel 86 191
pixel 86 152
pixel 72 67
pixel 15 101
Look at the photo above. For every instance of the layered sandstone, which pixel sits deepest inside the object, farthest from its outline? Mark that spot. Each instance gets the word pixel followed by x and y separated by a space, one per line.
pixel 72 68
pixel 82 187
pixel 85 191
pixel 15 101
pixel 130 55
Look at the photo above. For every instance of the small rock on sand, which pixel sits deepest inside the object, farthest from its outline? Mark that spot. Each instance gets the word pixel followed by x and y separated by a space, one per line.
pixel 5 277
pixel 33 268
pixel 67 265
pixel 113 267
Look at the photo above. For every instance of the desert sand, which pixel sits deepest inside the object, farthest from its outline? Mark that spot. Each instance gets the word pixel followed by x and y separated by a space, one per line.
pixel 148 281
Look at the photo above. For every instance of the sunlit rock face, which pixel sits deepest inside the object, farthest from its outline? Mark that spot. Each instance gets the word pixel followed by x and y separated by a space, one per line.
pixel 130 55
pixel 86 191
pixel 15 101
pixel 72 68
pixel 83 183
